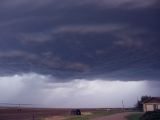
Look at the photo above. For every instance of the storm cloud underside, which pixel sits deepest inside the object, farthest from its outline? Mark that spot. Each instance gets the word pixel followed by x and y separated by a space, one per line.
pixel 71 39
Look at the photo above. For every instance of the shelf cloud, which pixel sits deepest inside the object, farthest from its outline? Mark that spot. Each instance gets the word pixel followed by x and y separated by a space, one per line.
pixel 80 39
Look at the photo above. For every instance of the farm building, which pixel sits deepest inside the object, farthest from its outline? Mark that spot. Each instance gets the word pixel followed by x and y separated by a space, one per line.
pixel 152 104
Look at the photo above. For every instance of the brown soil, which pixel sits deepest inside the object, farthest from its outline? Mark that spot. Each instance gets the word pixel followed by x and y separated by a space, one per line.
pixel 31 113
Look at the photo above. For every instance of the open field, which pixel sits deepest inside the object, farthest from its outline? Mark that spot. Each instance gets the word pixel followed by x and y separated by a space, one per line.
pixel 30 113
pixel 52 114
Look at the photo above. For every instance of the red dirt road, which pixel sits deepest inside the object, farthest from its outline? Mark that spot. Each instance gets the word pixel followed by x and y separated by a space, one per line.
pixel 56 118
pixel 119 116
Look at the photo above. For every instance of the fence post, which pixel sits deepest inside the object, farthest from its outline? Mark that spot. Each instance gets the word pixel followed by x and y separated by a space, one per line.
pixel 33 116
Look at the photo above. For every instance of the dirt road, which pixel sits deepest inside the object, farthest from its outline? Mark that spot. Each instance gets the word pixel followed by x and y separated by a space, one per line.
pixel 55 118
pixel 119 116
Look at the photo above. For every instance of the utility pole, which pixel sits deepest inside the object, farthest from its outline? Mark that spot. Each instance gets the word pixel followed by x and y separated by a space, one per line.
pixel 123 105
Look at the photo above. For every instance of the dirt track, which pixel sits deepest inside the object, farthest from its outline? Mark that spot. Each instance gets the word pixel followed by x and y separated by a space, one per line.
pixel 119 116
pixel 56 118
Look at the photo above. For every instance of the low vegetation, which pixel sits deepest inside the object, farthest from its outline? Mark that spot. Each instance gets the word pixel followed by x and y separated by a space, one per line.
pixel 139 104
pixel 155 115
pixel 151 116
pixel 92 115
pixel 134 116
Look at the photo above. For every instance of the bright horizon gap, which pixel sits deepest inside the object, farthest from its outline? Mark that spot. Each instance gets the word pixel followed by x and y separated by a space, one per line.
pixel 79 93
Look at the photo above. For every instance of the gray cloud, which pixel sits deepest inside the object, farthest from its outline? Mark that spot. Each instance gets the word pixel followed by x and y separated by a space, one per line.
pixel 15 54
pixel 90 28
pixel 15 62
pixel 39 37
pixel 81 39
pixel 98 3
pixel 121 3
pixel 52 35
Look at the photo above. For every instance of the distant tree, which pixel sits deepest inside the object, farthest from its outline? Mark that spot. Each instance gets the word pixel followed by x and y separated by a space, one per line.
pixel 139 103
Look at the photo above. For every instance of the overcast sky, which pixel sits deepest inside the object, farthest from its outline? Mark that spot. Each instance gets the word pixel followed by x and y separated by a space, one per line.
pixel 79 53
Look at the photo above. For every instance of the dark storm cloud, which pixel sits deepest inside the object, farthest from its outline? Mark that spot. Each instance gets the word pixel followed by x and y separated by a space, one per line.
pixel 69 39
pixel 69 3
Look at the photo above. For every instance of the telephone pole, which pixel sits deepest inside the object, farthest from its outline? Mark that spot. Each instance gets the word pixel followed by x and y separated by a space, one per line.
pixel 123 106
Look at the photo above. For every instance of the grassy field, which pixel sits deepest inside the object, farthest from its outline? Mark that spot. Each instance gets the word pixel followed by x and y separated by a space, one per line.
pixel 134 116
pixel 92 115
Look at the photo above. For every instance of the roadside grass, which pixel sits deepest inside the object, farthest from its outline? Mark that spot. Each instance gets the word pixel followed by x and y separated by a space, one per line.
pixel 134 116
pixel 93 115
pixel 152 115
